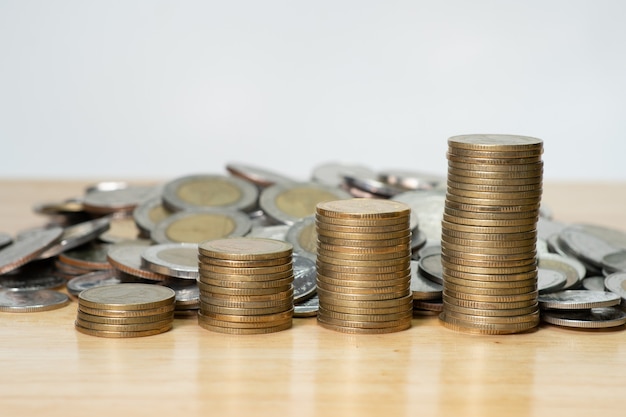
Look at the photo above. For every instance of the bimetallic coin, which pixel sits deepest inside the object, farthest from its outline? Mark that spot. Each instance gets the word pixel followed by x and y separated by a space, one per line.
pixel 551 280
pixel 574 270
pixel 256 175
pixel 126 257
pixel 91 280
pixel 118 200
pixel 616 283
pixel 578 299
pixel 179 260
pixel 76 235
pixel 28 248
pixel 26 301
pixel 595 318
pixel 148 214
pixel 615 262
pixel 303 236
pixel 209 191
pixel 198 225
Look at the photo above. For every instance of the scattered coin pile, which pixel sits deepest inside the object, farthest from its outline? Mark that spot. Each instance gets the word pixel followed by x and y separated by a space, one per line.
pixel 125 310
pixel 489 234
pixel 246 285
pixel 582 309
pixel 363 266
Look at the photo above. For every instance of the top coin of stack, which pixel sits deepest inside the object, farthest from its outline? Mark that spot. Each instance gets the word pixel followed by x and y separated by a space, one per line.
pixel 489 233
pixel 246 285
pixel 364 265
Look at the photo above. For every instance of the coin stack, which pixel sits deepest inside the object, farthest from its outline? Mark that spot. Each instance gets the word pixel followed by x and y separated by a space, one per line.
pixel 489 233
pixel 125 310
pixel 246 285
pixel 364 265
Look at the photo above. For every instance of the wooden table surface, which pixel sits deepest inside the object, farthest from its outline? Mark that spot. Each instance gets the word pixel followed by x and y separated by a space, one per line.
pixel 49 369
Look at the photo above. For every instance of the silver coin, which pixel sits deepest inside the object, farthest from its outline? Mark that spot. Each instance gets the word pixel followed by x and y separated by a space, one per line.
pixel 616 283
pixel 429 250
pixel 125 199
pixel 333 173
pixel 615 262
pixel 572 268
pixel 585 246
pixel 126 257
pixel 307 308
pixel 27 248
pixel 430 268
pixel 187 292
pixel 276 232
pixel 304 278
pixel 178 260
pixel 303 236
pixel 197 225
pixel 411 180
pixel 91 280
pixel 106 186
pixel 542 246
pixel 545 212
pixel 289 203
pixel 206 190
pixel 595 318
pixel 555 247
pixel 418 239
pixel 148 213
pixel 76 235
pixel 32 276
pixel 613 237
pixel 550 280
pixel 92 256
pixel 25 301
pixel 548 227
pixel 578 299
pixel 259 176
pixel 372 185
pixel 423 288
pixel 5 240
pixel 427 209
pixel 594 283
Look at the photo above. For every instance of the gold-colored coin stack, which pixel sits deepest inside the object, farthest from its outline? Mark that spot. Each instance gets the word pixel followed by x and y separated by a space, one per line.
pixel 246 285
pixel 489 233
pixel 364 265
pixel 125 310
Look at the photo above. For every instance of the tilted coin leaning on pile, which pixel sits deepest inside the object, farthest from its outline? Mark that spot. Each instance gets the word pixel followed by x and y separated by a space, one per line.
pixel 248 250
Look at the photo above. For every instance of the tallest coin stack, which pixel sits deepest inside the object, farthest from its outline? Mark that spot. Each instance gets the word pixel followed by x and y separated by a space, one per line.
pixel 489 234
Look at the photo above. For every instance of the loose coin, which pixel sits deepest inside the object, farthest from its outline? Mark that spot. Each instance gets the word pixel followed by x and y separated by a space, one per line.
pixel 430 267
pixel 91 280
pixel 551 280
pixel 615 261
pixel 32 276
pixel 303 236
pixel 594 283
pixel 26 301
pixel 573 270
pixel 149 213
pixel 616 283
pixel 126 257
pixel 198 225
pixel 307 308
pixel 27 248
pixel 90 256
pixel 578 299
pixel 76 235
pixel 426 211
pixel 411 180
pixel 256 175
pixel 333 173
pixel 179 260
pixel 595 318
pixel 117 200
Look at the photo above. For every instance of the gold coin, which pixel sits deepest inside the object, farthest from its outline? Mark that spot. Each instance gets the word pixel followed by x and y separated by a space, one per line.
pixel 362 229
pixel 265 318
pixel 487 246
pixel 490 222
pixel 333 295
pixel 401 262
pixel 488 257
pixel 446 225
pixel 244 331
pixel 530 160
pixel 467 286
pixel 487 270
pixel 512 279
pixel 214 290
pixel 525 264
pixel 489 236
pixel 399 253
pixel 339 250
pixel 502 168
pixel 474 208
pixel 533 317
pixel 327 299
pixel 361 283
pixel 526 203
pixel 464 327
pixel 363 208
pixel 260 270
pixel 392 221
pixel 484 305
pixel 122 334
pixel 359 310
pixel 367 276
pixel 207 260
pixel 207 319
pixel 342 289
pixel 500 298
pixel 130 327
pixel 127 297
pixel 406 233
pixel 126 313
pixel 495 142
pixel 226 302
pixel 496 286
pixel 515 195
pixel 364 324
pixel 245 248
pixel 124 320
pixel 239 277
pixel 206 308
pixel 364 243
pixel 207 291
pixel 428 305
pixel 356 330
pixel 490 214
pixel 493 181
pixel 488 188
pixel 279 283
pixel 454 170
pixel 366 317
pixel 453 150
pixel 491 312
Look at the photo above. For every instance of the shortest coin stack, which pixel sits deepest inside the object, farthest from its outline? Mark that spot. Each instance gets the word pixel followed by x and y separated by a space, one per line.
pixel 246 285
pixel 125 310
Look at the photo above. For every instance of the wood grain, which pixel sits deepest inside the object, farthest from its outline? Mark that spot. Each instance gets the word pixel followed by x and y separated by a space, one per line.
pixel 50 369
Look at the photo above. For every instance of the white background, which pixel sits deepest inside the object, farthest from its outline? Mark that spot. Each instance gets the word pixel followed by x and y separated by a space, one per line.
pixel 160 89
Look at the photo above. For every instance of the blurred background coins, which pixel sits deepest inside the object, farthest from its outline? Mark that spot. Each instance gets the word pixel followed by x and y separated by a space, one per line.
pixel 125 310
pixel 246 285
pixel 197 225
pixel 364 266
pixel 489 234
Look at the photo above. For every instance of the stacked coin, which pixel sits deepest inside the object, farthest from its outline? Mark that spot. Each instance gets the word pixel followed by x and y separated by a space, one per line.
pixel 245 285
pixel 489 233
pixel 364 265
pixel 125 310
